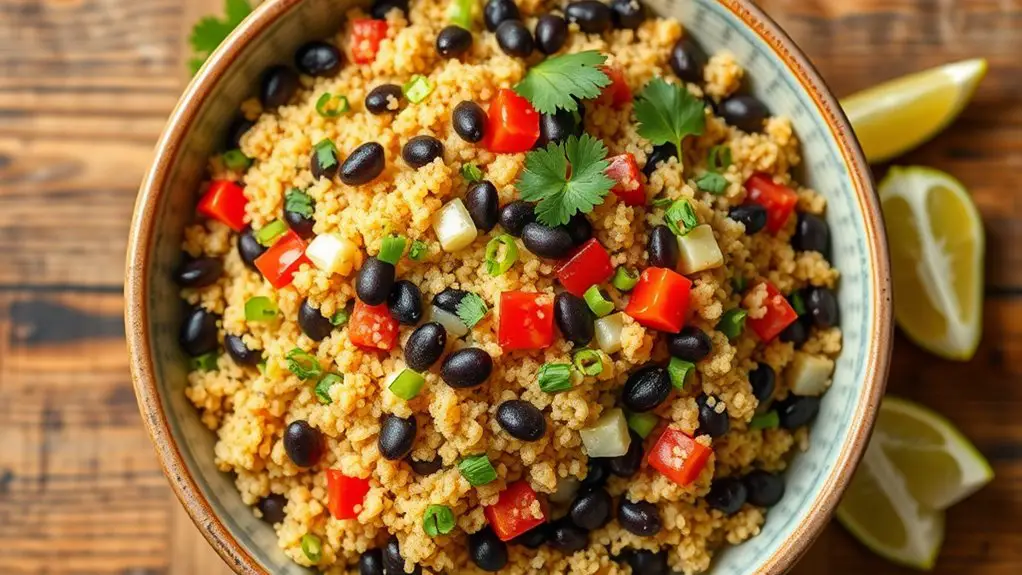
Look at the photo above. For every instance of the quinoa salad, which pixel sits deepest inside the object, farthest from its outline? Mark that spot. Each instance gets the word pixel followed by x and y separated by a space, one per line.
pixel 528 288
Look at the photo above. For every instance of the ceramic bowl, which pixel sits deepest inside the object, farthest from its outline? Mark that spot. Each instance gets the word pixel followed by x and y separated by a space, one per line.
pixel 779 74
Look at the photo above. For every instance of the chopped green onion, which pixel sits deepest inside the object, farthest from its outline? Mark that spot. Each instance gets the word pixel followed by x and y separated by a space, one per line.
pixel 331 106
pixel 406 384
pixel 739 283
pixel 438 520
pixel 679 370
pixel 462 13
pixel 555 377
pixel 303 364
pixel 260 308
pixel 269 233
pixel 205 362
pixel 236 161
pixel 472 309
pixel 713 183
pixel 680 217
pixel 326 153
pixel 624 280
pixel 477 469
pixel 418 250
pixel 471 172
pixel 323 387
pixel 768 420
pixel 719 158
pixel 496 262
pixel 798 304
pixel 391 249
pixel 642 423
pixel 312 547
pixel 732 323
pixel 299 202
pixel 417 88
pixel 340 318
pixel 600 305
pixel 589 362
pixel 662 202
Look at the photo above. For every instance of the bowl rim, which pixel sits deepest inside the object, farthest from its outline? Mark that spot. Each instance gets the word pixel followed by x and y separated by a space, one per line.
pixel 168 146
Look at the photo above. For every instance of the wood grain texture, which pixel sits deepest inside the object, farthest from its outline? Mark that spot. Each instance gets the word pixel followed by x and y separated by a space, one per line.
pixel 85 86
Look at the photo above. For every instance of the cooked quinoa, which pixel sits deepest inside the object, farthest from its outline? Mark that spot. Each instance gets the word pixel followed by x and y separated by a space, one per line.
pixel 253 395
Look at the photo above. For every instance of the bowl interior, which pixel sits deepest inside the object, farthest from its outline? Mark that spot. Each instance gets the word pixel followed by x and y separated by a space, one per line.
pixel 846 409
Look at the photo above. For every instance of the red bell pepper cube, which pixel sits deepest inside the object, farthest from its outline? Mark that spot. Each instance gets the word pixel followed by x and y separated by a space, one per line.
pixel 778 200
pixel 590 265
pixel 678 457
pixel 514 512
pixel 344 494
pixel 512 124
pixel 526 320
pixel 279 263
pixel 366 35
pixel 617 93
pixel 660 300
pixel 779 314
pixel 372 327
pixel 625 171
pixel 225 202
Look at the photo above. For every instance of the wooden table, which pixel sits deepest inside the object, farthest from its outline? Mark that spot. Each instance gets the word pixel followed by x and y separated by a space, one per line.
pixel 85 87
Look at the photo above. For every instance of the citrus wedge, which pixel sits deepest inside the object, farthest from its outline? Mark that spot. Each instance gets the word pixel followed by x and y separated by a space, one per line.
pixel 894 117
pixel 936 243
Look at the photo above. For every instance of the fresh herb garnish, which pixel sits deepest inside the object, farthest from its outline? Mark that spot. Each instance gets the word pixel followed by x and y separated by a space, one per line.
pixel 330 106
pixel 391 249
pixel 668 113
pixel 477 469
pixel 322 389
pixel 418 250
pixel 500 260
pixel 718 160
pixel 471 172
pixel 559 196
pixel 312 547
pixel 588 362
pixel 260 308
pixel 438 520
pixel 326 153
pixel 472 309
pixel 554 377
pixel 798 304
pixel 303 364
pixel 235 160
pixel 662 202
pixel 268 234
pixel 205 362
pixel 299 202
pixel 340 318
pixel 680 217
pixel 712 182
pixel 561 81
pixel 210 31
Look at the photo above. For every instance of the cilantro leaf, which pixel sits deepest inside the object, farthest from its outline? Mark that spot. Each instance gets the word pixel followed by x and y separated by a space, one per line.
pixel 560 197
pixel 326 153
pixel 418 250
pixel 472 309
pixel 210 31
pixel 557 82
pixel 719 158
pixel 680 217
pixel 299 202
pixel 712 182
pixel 668 113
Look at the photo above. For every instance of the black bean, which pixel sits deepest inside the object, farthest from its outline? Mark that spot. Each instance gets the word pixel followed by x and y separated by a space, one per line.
pixel 628 465
pixel 579 229
pixel 319 170
pixel 646 388
pixel 453 41
pixel 381 8
pixel 688 60
pixel 534 538
pixel 249 248
pixel 240 352
pixel 598 473
pixel 313 323
pixel 744 112
pixel 299 222
pixel 796 334
pixel 821 303
pixel 591 510
pixel 547 242
pixel 574 318
pixel 663 248
pixel 405 302
pixel 521 420
pixel 557 127
pixel 497 11
pixel 238 128
pixel 303 443
pixel 797 410
pixel 420 151
pixel 318 58
pixel 764 489
pixel 568 538
pixel 425 346
pixel 199 272
pixel 627 13
pixel 371 562
pixel 449 299
pixel 487 551
pixel 754 216
pixel 467 367
pixel 272 507
pixel 515 216
pixel 592 16
pixel 483 204
pixel 375 280
pixel 641 518
pixel 551 33
pixel 397 436
pixel 763 380
pixel 393 563
pixel 690 344
pixel 425 468
pixel 514 38
pixel 363 165
pixel 469 121
pixel 812 234
pixel 661 153
pixel 277 86
pixel 380 99
pixel 646 562
pixel 712 422
pixel 198 332
pixel 727 495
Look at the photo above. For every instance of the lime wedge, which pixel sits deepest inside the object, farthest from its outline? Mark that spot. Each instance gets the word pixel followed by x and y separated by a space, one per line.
pixel 894 117
pixel 937 244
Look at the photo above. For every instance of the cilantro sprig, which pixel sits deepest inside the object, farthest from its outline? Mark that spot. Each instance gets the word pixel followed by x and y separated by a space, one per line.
pixel 210 31
pixel 718 159
pixel 559 195
pixel 668 113
pixel 299 202
pixel 472 309
pixel 556 82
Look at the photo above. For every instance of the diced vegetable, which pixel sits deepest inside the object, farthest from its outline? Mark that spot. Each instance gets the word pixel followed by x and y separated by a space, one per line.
pixel 406 384
pixel 312 547
pixel 330 105
pixel 260 308
pixel 617 93
pixel 526 320
pixel 514 512
pixel 624 279
pixel 391 249
pixel 303 364
pixel 345 494
pixel 366 35
pixel 588 362
pixel 608 332
pixel 225 202
pixel 451 322
pixel 598 304
pixel 680 370
pixel 642 423
pixel 779 314
pixel 778 200
pixel 554 377
pixel 477 470
pixel 512 124
pixel 333 253
pixel 768 420
pixel 268 234
pixel 501 254
pixel 699 250
pixel 678 457
pixel 372 327
pixel 462 12
pixel 236 161
pixel 625 171
pixel 279 263
pixel 660 300
pixel 417 88
pixel 732 323
pixel 588 266
pixel 323 386
pixel 438 520
pixel 809 374
pixel 454 226
pixel 608 437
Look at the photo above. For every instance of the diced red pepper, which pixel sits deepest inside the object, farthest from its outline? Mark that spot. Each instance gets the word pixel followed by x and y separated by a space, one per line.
pixel 625 171
pixel 512 124
pixel 617 93
pixel 679 457
pixel 779 314
pixel 514 512
pixel 366 35
pixel 778 200
pixel 660 300
pixel 225 202
pixel 590 265
pixel 372 326
pixel 526 320
pixel 344 494
pixel 279 263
